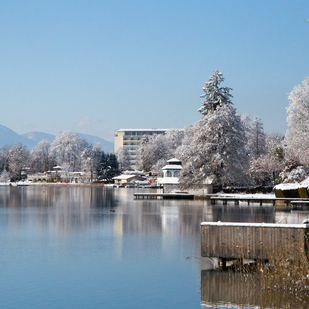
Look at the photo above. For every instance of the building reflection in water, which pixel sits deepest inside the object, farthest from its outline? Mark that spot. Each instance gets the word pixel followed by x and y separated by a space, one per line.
pixel 67 210
pixel 117 223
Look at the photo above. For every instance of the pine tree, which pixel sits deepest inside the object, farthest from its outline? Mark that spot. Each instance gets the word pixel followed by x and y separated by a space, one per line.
pixel 217 142
pixel 214 94
pixel 108 167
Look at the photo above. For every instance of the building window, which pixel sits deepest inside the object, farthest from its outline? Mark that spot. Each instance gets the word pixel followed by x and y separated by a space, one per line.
pixel 168 174
pixel 176 174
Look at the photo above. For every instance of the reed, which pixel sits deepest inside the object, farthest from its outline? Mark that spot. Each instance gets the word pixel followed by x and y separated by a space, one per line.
pixel 281 281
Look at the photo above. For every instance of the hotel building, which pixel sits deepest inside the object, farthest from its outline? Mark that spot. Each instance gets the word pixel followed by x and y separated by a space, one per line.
pixel 131 138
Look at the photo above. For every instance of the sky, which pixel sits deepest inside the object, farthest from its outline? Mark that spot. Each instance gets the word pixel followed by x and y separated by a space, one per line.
pixel 96 66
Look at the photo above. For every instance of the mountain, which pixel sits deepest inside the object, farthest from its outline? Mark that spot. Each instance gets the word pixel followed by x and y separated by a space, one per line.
pixel 91 139
pixel 9 137
pixel 39 136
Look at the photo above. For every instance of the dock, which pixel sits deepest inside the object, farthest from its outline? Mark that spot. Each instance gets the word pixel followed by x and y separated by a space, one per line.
pixel 170 196
pixel 295 203
pixel 248 200
pixel 256 241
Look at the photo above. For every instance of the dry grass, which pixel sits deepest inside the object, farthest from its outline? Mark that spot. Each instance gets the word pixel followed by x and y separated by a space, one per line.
pixel 281 282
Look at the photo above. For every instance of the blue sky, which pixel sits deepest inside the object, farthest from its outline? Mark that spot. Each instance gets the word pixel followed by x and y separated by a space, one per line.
pixel 96 66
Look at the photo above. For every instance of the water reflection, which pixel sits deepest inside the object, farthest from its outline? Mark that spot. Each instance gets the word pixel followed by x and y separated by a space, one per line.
pixel 235 290
pixel 253 214
pixel 75 208
pixel 107 228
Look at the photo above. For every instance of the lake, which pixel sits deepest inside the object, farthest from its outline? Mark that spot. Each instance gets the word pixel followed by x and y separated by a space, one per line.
pixel 94 247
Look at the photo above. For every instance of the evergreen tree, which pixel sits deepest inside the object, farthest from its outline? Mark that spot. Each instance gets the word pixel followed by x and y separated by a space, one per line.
pixel 108 167
pixel 216 146
pixel 215 95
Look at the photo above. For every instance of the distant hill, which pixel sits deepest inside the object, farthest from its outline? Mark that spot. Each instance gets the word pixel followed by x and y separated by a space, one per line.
pixel 10 138
pixel 91 139
pixel 39 136
pixel 31 139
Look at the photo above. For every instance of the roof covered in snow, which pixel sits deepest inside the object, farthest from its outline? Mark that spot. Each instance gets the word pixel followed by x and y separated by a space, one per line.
pixel 124 177
pixel 287 186
pixel 172 167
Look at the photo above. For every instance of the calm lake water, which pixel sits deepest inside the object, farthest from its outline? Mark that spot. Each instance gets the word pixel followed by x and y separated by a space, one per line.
pixel 91 247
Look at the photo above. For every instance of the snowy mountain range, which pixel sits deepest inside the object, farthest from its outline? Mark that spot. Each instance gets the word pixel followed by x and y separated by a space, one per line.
pixel 31 139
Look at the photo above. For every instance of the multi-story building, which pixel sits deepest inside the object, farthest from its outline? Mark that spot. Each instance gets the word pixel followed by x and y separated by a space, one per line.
pixel 131 138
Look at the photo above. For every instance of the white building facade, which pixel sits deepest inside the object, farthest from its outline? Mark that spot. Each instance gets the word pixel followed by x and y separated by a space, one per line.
pixel 131 138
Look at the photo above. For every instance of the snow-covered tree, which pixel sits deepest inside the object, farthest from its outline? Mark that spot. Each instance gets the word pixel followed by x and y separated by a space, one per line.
pixel 90 159
pixel 5 176
pixel 293 172
pixel 18 156
pixel 40 157
pixel 265 169
pixel 215 95
pixel 4 158
pixel 174 139
pixel 123 158
pixel 256 138
pixel 245 118
pixel 150 150
pixel 274 145
pixel 158 147
pixel 67 148
pixel 297 137
pixel 216 146
pixel 157 168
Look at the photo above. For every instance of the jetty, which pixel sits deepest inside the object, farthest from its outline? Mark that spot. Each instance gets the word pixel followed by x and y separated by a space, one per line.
pixel 229 240
pixel 236 199
pixel 177 196
pixel 295 203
